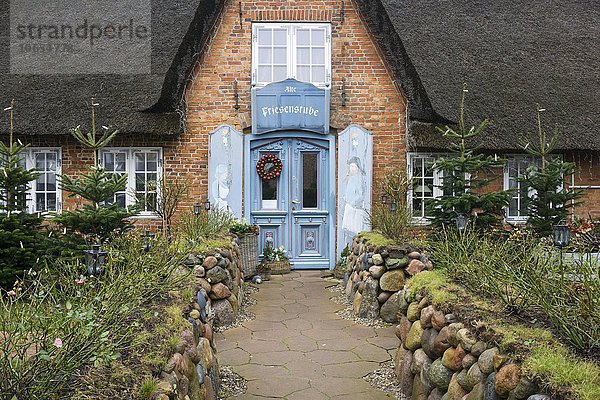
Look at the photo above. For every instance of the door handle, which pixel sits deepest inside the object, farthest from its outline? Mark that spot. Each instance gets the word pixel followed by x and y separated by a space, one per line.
pixel 295 202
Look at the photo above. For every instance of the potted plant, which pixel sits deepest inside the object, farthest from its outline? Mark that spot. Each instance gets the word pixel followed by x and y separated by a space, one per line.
pixel 248 236
pixel 264 270
pixel 276 259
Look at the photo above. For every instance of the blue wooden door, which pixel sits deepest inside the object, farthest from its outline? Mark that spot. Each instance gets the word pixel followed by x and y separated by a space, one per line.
pixel 294 210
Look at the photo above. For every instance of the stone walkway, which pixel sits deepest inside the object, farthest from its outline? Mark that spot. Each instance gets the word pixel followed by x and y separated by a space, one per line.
pixel 298 348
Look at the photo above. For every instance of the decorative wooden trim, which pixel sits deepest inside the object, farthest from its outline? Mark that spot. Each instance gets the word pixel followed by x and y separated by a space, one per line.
pixel 292 15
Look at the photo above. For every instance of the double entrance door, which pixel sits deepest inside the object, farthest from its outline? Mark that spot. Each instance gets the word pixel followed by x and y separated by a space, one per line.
pixel 295 209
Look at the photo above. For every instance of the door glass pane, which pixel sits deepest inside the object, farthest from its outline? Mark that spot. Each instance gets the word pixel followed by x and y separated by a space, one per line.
pixel 309 180
pixel 269 194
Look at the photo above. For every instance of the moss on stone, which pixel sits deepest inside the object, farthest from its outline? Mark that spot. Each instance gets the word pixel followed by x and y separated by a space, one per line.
pixel 376 239
pixel 517 336
pixel 436 285
pixel 554 364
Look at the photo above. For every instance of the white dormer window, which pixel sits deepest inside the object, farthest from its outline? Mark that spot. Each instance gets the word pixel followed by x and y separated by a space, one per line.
pixel 291 50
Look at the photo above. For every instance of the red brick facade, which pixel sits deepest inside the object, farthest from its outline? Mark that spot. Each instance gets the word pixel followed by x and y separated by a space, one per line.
pixel 373 101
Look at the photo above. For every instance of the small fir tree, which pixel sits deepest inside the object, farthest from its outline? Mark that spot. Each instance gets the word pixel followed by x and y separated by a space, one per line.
pixel 461 186
pixel 20 237
pixel 548 200
pixel 99 216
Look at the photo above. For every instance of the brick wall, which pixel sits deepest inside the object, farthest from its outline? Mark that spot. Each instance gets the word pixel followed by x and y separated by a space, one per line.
pixel 372 99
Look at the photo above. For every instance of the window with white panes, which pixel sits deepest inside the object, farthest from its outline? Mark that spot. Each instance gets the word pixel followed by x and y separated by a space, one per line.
pixel 43 194
pixel 143 167
pixel 514 168
pixel 44 190
pixel 425 183
pixel 299 51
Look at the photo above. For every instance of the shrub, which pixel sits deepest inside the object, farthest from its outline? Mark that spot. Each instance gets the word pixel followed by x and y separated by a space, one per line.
pixel 193 229
pixel 392 219
pixel 523 274
pixel 20 240
pixel 58 322
pixel 461 187
pixel 547 204
pixel 99 217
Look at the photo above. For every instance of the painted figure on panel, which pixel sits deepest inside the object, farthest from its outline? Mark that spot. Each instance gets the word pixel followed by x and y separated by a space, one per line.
pixel 221 186
pixel 355 217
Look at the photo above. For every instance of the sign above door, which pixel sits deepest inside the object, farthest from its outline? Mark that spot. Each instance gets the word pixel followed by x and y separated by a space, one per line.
pixel 290 105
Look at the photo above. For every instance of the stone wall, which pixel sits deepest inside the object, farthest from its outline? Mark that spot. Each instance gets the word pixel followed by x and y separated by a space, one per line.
pixel 376 277
pixel 192 372
pixel 218 274
pixel 439 358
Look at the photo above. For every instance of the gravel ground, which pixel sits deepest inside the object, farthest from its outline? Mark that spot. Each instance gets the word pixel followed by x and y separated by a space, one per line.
pixel 231 384
pixel 244 314
pixel 384 379
pixel 347 313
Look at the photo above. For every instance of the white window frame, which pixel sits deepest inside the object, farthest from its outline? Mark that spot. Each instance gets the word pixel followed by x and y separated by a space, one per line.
pixel 437 183
pixel 30 154
pixel 516 194
pixel 291 46
pixel 130 152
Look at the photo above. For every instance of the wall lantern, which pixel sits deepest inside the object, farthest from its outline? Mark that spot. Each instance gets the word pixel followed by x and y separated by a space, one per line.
pixel 95 259
pixel 393 206
pixel 197 209
pixel 384 199
pixel 207 205
pixel 461 222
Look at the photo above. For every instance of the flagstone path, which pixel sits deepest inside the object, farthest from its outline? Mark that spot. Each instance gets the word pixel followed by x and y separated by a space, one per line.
pixel 299 348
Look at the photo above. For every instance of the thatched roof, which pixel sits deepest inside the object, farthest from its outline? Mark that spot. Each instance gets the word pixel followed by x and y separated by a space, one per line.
pixel 51 104
pixel 513 54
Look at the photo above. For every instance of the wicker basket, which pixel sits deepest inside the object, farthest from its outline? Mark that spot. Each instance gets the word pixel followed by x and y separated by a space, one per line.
pixel 280 267
pixel 249 252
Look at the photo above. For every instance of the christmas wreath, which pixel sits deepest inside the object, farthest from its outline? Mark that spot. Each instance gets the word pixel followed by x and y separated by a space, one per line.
pixel 269 167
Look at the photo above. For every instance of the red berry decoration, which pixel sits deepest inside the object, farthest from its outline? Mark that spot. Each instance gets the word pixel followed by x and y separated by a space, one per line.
pixel 269 167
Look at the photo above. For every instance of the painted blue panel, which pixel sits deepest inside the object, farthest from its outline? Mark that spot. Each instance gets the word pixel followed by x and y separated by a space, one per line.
pixel 290 104
pixel 355 176
pixel 225 172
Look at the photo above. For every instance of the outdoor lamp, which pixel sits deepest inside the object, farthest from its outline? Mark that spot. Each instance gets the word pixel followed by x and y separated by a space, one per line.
pixel 423 189
pixel 207 205
pixel 461 222
pixel 94 259
pixel 147 237
pixel 383 198
pixel 197 209
pixel 560 233
pixel 393 206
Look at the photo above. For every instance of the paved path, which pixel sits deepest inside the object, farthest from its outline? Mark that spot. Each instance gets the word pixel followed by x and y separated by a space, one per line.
pixel 298 348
